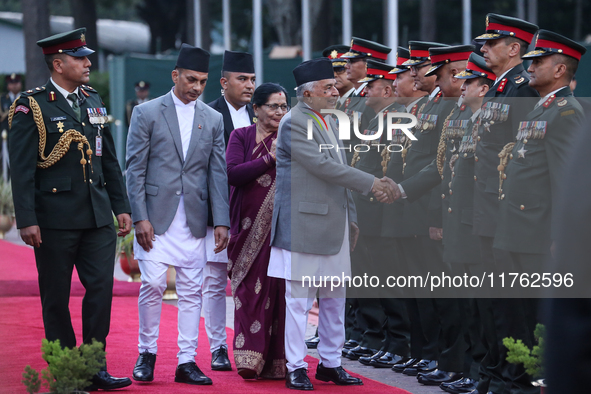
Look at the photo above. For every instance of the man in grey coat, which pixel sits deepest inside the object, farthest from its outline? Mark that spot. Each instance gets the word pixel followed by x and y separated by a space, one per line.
pixel 175 159
pixel 313 218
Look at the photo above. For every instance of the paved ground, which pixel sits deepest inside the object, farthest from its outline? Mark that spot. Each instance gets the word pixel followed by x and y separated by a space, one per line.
pixel 385 376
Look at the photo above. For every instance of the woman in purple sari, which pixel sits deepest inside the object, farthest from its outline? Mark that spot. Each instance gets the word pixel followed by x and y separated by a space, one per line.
pixel 259 317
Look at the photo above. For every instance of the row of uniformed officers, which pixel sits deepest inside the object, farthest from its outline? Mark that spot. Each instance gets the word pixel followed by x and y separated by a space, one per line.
pixel 477 194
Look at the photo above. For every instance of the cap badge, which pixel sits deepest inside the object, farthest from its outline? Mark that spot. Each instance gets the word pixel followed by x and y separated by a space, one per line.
pixel 83 38
pixel 334 54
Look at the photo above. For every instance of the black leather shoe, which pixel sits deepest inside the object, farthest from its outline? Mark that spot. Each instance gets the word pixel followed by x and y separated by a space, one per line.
pixel 464 385
pixel 388 360
pixel 191 374
pixel 366 360
pixel 298 380
pixel 359 351
pixel 350 344
pixel 312 343
pixel 402 366
pixel 422 366
pixel 104 381
pixel 336 375
pixel 436 377
pixel 144 367
pixel 220 360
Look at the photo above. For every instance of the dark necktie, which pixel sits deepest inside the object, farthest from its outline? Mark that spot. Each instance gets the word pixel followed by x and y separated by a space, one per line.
pixel 74 99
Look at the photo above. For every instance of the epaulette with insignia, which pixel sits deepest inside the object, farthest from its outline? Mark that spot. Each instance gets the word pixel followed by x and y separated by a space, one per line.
pixel 549 101
pixel 30 92
pixel 562 102
pixel 89 88
pixel 519 79
pixel 438 97
pixel 502 85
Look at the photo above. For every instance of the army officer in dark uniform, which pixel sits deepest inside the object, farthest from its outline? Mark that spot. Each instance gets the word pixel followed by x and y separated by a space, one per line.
pixel 67 184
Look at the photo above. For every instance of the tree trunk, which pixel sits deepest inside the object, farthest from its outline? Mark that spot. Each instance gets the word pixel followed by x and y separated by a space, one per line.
pixel 35 27
pixel 286 20
pixel 428 20
pixel 84 13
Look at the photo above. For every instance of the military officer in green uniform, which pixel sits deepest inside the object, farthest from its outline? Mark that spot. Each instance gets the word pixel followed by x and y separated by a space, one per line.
pixel 14 86
pixel 353 104
pixel 67 185
pixel 504 43
pixel 461 249
pixel 142 94
pixel 387 320
pixel 531 169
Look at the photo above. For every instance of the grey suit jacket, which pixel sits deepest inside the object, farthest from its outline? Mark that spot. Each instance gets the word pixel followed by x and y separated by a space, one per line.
pixel 157 175
pixel 312 196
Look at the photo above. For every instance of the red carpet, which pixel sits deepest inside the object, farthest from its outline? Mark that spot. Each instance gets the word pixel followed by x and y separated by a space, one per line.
pixel 21 331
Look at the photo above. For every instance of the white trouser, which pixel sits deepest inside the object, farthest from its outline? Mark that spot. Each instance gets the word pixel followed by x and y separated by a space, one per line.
pixel 331 325
pixel 188 288
pixel 215 280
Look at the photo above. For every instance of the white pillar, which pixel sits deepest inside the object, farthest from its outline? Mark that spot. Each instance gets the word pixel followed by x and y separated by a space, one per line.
pixel 347 22
pixel 197 22
pixel 306 34
pixel 257 24
pixel 227 25
pixel 467 21
pixel 392 40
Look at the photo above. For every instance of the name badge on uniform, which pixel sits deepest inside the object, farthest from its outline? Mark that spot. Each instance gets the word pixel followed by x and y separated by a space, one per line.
pixel 99 146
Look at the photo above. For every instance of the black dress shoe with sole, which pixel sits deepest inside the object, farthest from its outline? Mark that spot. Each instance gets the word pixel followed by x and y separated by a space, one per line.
pixel 144 367
pixel 336 375
pixel 104 381
pixel 359 351
pixel 366 360
pixel 312 343
pixel 350 344
pixel 191 374
pixel 436 377
pixel 402 366
pixel 424 366
pixel 298 380
pixel 220 360
pixel 388 360
pixel 464 385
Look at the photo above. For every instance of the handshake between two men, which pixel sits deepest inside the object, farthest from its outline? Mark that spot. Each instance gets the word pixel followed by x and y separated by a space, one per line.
pixel 386 190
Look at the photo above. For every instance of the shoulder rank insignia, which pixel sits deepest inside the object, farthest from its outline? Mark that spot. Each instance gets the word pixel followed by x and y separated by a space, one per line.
pixel 84 92
pixel 463 107
pixel 549 101
pixel 519 79
pixel 51 96
pixel 89 88
pixel 502 85
pixel 568 113
pixel 438 97
pixel 562 102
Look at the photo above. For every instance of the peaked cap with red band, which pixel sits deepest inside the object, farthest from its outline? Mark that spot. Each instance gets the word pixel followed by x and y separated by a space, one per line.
pixel 498 26
pixel 419 51
pixel 402 56
pixel 361 49
pixel 71 43
pixel 443 55
pixel 476 68
pixel 550 43
pixel 377 70
pixel 334 53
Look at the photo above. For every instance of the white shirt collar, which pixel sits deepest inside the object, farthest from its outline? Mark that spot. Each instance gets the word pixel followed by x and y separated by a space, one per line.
pixel 434 93
pixel 409 107
pixel 360 88
pixel 179 103
pixel 548 95
pixel 63 91
pixel 503 75
pixel 232 109
pixel 346 95
pixel 475 115
pixel 460 101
